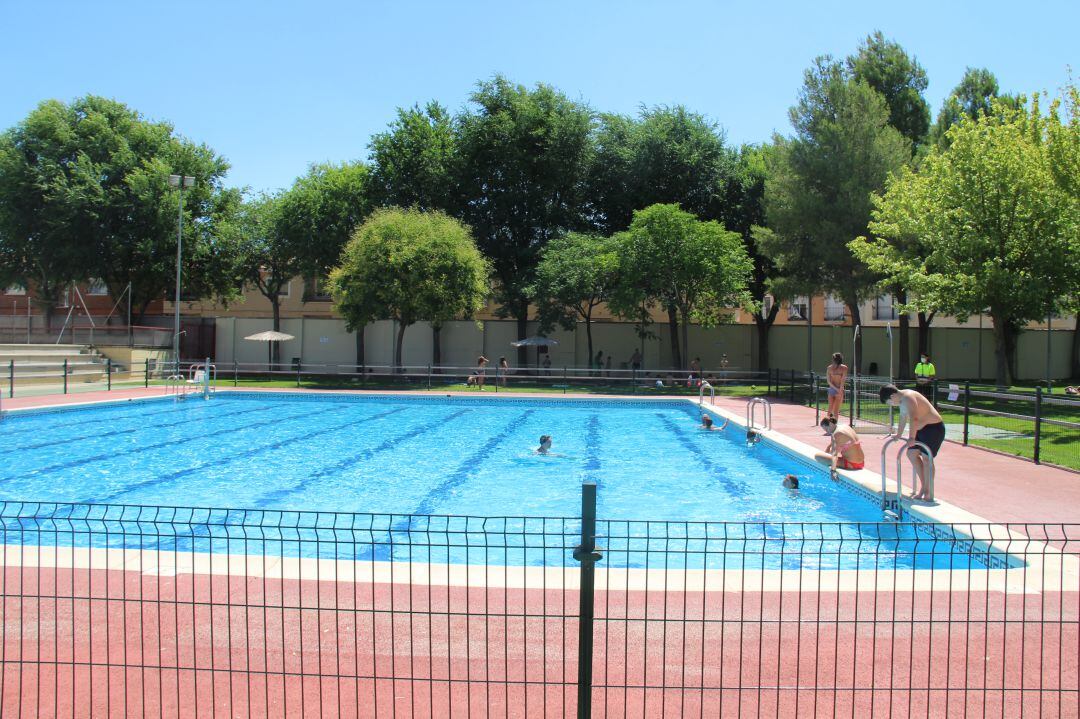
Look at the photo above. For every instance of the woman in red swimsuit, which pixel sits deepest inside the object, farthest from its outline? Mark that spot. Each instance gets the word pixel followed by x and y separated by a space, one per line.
pixel 845 449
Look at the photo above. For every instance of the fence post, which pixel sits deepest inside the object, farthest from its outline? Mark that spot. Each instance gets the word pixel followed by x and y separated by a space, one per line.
pixel 817 400
pixel 235 373
pixel 967 409
pixel 11 378
pixel 429 377
pixel 146 374
pixel 633 380
pixel 791 392
pixel 496 379
pixel 65 374
pixel 586 554
pixel 851 403
pixel 298 366
pixel 108 372
pixel 933 393
pixel 564 379
pixel 1038 422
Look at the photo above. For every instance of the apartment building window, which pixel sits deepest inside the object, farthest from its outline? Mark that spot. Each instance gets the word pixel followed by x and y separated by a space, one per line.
pixel 97 288
pixel 835 311
pixel 15 290
pixel 885 308
pixel 798 309
pixel 315 290
pixel 284 291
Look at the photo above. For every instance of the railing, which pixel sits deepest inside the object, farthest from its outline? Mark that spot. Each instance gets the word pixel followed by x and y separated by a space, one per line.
pixel 164 611
pixel 79 330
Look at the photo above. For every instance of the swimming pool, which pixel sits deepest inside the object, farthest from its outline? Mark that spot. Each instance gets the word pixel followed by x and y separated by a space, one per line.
pixel 400 456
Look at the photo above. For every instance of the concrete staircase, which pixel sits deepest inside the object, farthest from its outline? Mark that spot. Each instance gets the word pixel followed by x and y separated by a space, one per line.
pixel 44 364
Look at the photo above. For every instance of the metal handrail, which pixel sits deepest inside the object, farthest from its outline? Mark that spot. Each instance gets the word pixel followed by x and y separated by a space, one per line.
pixel 751 413
pixel 899 472
pixel 701 393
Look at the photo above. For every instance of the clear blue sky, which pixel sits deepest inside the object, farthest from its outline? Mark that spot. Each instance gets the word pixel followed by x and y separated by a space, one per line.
pixel 274 86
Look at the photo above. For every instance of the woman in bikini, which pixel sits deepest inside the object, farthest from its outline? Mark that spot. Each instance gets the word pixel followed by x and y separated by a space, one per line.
pixel 845 449
pixel 835 375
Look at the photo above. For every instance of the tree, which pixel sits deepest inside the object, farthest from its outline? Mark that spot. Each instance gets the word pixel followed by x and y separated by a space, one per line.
pixel 819 184
pixel 269 259
pixel 1063 148
pixel 972 98
pixel 93 200
pixel 413 161
pixel 885 66
pixel 316 217
pixel 694 270
pixel 408 266
pixel 667 155
pixel 1001 233
pixel 523 160
pixel 575 275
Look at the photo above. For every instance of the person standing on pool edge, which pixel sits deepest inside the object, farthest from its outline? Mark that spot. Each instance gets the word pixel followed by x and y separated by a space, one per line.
pixel 836 375
pixel 926 427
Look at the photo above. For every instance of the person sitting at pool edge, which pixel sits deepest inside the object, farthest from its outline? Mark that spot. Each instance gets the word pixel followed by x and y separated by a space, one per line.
pixel 545 444
pixel 791 481
pixel 845 448
pixel 926 427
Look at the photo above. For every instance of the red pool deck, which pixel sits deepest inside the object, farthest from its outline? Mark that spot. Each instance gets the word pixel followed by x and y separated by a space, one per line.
pixel 110 638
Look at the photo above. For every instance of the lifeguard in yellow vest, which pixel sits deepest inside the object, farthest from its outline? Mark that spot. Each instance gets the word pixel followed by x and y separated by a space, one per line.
pixel 924 374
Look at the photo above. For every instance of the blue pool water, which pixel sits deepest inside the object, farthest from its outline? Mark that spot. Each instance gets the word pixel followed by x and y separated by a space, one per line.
pixel 439 456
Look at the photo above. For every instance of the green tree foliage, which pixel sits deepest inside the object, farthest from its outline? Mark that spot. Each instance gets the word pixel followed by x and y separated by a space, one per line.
pixel 413 161
pixel 524 155
pixel 1000 232
pixel 972 98
pixel 85 194
pixel 575 275
pixel 409 266
pixel 693 270
pixel 319 213
pixel 885 66
pixel 267 257
pixel 667 155
pixel 818 192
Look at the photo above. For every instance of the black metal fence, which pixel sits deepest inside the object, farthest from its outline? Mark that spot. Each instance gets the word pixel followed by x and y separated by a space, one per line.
pixel 144 611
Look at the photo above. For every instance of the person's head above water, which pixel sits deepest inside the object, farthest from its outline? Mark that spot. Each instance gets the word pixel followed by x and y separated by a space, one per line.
pixel 706 421
pixel 545 443
pixel 791 481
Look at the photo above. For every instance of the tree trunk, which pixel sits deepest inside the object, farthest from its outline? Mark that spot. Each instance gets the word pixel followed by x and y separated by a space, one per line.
pixel 673 330
pixel 275 347
pixel 686 338
pixel 140 314
pixel 904 345
pixel 924 333
pixel 397 346
pixel 1074 364
pixel 764 324
pixel 360 348
pixel 522 332
pixel 436 347
pixel 1001 350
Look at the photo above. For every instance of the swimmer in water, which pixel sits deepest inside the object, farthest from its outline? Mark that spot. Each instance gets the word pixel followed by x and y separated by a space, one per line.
pixel 545 444
pixel 707 423
pixel 791 481
pixel 752 437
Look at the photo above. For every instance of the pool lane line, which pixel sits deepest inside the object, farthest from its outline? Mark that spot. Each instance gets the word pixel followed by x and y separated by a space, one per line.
pixel 737 489
pixel 279 494
pixel 464 469
pixel 115 432
pixel 84 422
pixel 138 450
pixel 161 479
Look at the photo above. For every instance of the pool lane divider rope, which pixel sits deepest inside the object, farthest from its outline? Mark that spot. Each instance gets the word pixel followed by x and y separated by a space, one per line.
pixel 736 489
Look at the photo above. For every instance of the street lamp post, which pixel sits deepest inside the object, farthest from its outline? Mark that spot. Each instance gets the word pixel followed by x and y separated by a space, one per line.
pixel 179 182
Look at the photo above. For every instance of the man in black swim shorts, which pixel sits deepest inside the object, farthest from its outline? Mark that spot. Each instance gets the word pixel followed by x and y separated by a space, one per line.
pixel 926 427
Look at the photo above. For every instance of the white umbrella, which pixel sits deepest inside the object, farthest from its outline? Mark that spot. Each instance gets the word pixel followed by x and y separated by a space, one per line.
pixel 269 336
pixel 536 342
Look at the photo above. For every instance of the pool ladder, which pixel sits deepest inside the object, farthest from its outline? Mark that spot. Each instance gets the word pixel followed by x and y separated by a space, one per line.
pixel 751 413
pixel 701 393
pixel 897 514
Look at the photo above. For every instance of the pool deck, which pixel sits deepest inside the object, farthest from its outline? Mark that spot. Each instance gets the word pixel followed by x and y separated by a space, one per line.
pixel 993 486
